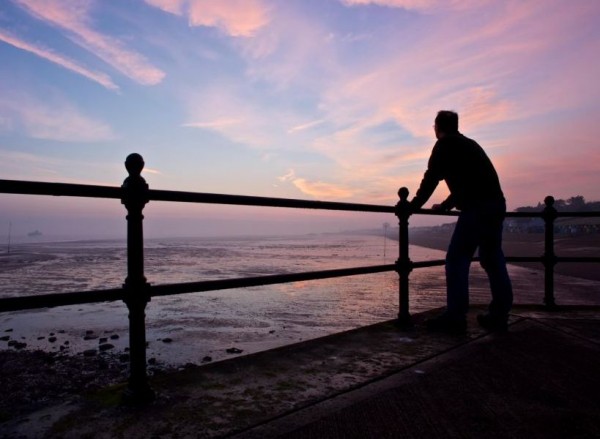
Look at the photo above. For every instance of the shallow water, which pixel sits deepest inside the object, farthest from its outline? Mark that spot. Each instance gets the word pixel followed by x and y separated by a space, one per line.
pixel 191 327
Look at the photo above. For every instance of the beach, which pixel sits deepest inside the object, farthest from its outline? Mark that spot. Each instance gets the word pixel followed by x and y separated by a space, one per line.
pixel 81 348
pixel 207 327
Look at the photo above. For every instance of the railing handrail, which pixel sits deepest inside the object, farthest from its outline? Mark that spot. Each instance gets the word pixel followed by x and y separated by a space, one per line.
pixel 24 187
pixel 514 214
pixel 95 191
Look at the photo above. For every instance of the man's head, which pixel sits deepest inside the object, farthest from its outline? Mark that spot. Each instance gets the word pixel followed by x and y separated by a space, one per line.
pixel 446 122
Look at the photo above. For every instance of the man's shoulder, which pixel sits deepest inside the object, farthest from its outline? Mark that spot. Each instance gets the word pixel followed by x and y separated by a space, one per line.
pixel 457 139
pixel 449 140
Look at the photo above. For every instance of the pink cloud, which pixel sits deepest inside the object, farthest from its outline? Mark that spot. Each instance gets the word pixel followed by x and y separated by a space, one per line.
pixel 74 17
pixel 306 126
pixel 420 5
pixel 64 62
pixel 214 124
pixel 237 18
pixel 479 72
pixel 319 189
pixel 53 119
pixel 171 6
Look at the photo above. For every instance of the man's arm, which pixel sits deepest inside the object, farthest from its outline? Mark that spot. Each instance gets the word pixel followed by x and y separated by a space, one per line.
pixel 426 188
pixel 431 179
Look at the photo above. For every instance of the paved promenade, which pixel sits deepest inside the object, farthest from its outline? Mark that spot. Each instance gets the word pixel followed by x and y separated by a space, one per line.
pixel 539 380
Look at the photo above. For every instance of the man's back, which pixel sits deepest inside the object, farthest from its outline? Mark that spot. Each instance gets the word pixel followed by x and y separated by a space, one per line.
pixel 467 170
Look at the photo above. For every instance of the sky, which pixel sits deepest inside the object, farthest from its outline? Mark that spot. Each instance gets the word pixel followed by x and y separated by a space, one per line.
pixel 312 99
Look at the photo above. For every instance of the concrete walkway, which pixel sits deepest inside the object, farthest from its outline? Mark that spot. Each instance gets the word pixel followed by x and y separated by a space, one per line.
pixel 540 380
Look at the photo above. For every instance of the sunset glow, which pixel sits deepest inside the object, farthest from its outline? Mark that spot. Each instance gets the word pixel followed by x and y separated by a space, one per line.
pixel 331 99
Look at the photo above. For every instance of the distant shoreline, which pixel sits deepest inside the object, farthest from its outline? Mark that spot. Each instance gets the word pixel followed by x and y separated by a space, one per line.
pixel 528 244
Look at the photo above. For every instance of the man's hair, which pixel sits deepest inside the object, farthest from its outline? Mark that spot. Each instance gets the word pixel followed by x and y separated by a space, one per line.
pixel 447 121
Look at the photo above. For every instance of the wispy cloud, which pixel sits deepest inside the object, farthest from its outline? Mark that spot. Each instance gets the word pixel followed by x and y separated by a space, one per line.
pixel 231 110
pixel 487 73
pixel 237 18
pixel 215 124
pixel 290 175
pixel 421 5
pixel 331 99
pixel 52 119
pixel 306 126
pixel 319 189
pixel 471 73
pixel 73 16
pixel 43 52
pixel 20 165
pixel 152 171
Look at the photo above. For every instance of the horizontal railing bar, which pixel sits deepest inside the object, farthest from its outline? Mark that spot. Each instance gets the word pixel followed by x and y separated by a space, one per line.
pixel 222 284
pixel 82 297
pixel 82 190
pixel 521 259
pixel 58 189
pixel 435 212
pixel 246 200
pixel 526 214
pixel 60 299
pixel 95 191
pixel 425 264
pixel 577 259
pixel 438 262
pixel 578 214
pixel 456 213
pixel 539 214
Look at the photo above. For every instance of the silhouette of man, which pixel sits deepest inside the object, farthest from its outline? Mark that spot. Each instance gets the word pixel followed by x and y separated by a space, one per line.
pixel 475 191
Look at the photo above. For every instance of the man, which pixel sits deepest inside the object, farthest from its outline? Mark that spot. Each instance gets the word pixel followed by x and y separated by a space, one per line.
pixel 475 191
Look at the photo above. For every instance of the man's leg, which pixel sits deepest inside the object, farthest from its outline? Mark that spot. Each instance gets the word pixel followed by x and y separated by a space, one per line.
pixel 458 261
pixel 494 263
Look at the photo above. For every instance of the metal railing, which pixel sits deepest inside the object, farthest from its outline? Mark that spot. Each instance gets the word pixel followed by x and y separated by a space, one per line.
pixel 136 292
pixel 549 258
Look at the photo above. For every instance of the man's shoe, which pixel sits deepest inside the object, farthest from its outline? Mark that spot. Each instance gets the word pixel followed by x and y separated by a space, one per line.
pixel 447 324
pixel 493 323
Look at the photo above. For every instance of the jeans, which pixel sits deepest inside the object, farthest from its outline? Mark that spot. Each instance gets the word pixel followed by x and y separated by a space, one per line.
pixel 479 227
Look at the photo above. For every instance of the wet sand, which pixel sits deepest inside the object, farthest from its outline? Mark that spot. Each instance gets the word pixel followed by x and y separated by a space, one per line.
pixel 202 328
pixel 190 346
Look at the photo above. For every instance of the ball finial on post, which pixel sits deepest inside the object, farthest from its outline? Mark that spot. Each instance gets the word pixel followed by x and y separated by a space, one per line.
pixel 549 201
pixel 403 193
pixel 134 163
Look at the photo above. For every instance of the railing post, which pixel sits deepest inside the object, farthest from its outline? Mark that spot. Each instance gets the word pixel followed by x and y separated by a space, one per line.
pixel 135 197
pixel 403 264
pixel 549 258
